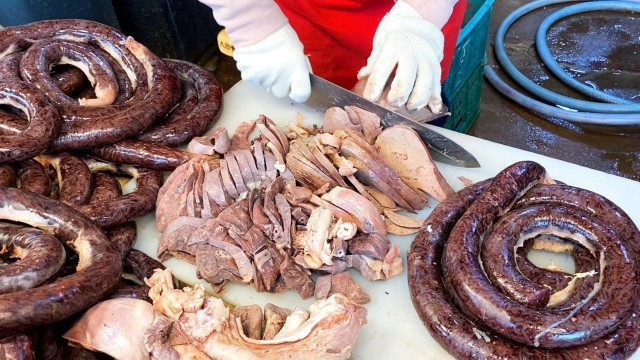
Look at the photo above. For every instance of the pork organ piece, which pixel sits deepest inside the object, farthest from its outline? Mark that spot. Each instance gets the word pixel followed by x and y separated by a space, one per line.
pixel 369 122
pixel 401 148
pixel 366 215
pixel 336 118
pixel 329 332
pixel 215 142
pixel 114 327
pixel 340 283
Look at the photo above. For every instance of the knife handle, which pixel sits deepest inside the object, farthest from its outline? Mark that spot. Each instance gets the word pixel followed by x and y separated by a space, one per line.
pixel 224 43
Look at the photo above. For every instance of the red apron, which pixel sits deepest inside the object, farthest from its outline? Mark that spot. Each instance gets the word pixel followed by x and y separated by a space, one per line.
pixel 338 34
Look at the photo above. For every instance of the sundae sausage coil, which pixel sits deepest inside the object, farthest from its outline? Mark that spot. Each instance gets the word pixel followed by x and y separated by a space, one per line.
pixel 43 122
pixel 504 314
pixel 98 271
pixel 90 126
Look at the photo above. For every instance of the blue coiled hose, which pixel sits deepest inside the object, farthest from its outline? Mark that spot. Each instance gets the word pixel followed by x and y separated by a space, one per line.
pixel 616 111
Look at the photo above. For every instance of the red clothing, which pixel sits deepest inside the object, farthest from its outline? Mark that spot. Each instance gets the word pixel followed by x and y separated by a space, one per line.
pixel 338 34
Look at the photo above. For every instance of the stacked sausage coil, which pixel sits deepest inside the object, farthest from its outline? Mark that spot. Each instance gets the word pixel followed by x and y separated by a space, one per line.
pixel 106 88
pixel 83 109
pixel 479 295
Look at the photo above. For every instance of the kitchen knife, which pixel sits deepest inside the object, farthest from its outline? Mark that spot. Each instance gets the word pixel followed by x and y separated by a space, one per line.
pixel 325 95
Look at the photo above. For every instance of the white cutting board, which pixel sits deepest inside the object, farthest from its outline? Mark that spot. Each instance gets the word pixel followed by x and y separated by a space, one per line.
pixel 393 329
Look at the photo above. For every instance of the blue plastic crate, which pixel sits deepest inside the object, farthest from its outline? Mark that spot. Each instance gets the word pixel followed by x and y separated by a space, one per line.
pixel 463 87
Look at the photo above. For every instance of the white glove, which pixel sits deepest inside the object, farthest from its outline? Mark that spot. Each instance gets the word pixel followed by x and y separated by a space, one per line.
pixel 406 39
pixel 277 63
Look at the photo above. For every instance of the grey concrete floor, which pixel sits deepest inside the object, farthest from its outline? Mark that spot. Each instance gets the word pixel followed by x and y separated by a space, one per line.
pixel 507 123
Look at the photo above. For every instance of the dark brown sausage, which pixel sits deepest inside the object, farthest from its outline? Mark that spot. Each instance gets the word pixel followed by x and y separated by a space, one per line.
pixel 123 237
pixel 188 120
pixel 105 188
pixel 70 80
pixel 87 127
pixel 12 124
pixel 129 206
pixel 475 295
pixel 40 256
pixel 8 175
pixel 42 126
pixel 41 56
pixel 74 179
pixel 99 266
pixel 10 67
pixel 140 264
pixel 458 334
pixel 33 177
pixel 19 347
pixel 144 154
pixel 133 292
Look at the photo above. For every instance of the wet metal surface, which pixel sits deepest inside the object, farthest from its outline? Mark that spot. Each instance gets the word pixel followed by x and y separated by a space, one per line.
pixel 601 48
pixel 588 46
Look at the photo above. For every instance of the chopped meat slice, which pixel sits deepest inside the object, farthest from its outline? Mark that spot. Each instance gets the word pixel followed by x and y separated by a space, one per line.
pixel 328 166
pixel 307 173
pixel 215 190
pixel 236 174
pixel 300 217
pixel 372 269
pixel 296 278
pixel 227 181
pixel 274 319
pixel 340 283
pixel 239 139
pixel 215 265
pixel 269 135
pixel 175 239
pixel 245 170
pixel 251 319
pixel 365 214
pixel 251 161
pixel 376 173
pixel 336 118
pixel 258 153
pixel 371 245
pixel 270 165
pixel 369 122
pixel 216 142
pixel 280 135
pixel 267 268
pixel 284 209
pixel 270 208
pixel 236 217
pixel 171 201
pixel 412 161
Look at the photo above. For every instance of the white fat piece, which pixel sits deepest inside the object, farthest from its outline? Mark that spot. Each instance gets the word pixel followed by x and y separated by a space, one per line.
pixel 317 250
pixel 292 324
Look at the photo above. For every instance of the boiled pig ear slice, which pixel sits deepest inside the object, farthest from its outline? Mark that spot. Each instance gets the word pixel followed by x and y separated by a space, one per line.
pixel 401 148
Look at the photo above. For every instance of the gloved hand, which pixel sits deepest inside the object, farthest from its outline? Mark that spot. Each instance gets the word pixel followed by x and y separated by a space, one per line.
pixel 277 63
pixel 404 38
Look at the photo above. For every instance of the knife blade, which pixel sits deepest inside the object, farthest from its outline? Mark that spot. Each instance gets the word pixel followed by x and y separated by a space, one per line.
pixel 325 95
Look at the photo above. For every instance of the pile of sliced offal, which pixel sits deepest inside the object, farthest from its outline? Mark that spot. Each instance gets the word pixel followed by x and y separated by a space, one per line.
pixel 287 209
pixel 294 208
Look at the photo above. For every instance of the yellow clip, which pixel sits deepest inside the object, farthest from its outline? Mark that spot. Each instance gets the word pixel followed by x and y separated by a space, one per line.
pixel 224 43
